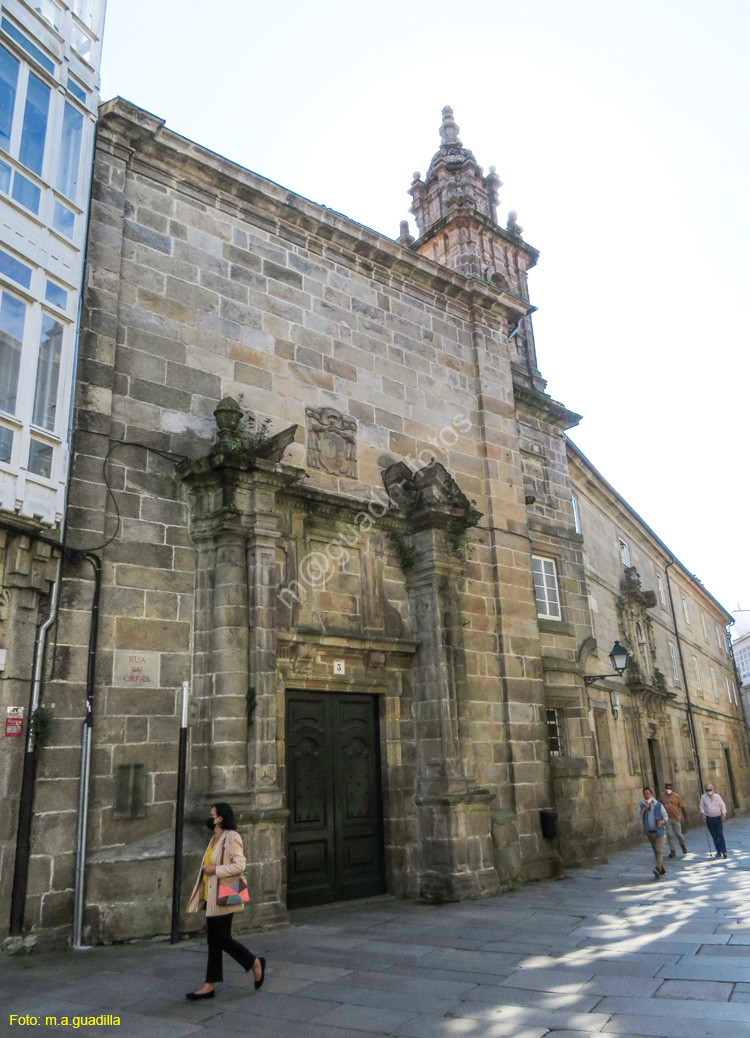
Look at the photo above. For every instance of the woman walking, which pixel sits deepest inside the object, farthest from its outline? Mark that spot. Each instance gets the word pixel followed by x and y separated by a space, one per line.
pixel 223 858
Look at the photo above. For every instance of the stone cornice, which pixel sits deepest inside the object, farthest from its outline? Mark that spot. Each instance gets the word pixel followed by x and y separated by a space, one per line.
pixel 553 409
pixel 190 167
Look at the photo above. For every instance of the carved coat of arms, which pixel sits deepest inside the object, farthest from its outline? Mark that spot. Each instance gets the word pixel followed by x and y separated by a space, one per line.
pixel 331 441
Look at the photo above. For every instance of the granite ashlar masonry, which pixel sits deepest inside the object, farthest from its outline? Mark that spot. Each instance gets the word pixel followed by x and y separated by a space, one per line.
pixel 318 465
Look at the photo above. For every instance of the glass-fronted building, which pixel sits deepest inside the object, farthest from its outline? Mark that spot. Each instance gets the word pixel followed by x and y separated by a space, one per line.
pixel 49 94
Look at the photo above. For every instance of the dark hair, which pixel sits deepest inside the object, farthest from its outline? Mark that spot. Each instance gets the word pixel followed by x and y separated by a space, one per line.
pixel 226 814
pixel 643 791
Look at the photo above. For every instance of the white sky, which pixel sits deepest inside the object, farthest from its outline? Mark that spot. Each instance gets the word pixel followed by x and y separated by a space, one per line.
pixel 620 131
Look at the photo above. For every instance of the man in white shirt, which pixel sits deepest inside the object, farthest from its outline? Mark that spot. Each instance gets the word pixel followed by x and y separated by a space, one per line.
pixel 714 812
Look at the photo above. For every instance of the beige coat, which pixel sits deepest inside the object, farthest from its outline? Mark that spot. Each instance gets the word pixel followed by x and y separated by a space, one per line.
pixel 234 865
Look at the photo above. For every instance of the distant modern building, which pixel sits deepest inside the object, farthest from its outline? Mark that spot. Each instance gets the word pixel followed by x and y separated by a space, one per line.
pixel 741 650
pixel 49 97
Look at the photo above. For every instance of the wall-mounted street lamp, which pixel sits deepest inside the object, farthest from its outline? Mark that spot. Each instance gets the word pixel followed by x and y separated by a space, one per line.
pixel 618 657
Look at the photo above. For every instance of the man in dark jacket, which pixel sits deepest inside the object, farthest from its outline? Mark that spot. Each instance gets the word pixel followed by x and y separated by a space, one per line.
pixel 654 815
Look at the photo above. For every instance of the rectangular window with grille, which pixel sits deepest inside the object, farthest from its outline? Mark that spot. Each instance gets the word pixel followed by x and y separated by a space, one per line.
pixel 545 588
pixel 555 732
pixel 660 585
pixel 624 552
pixel 685 609
pixel 713 682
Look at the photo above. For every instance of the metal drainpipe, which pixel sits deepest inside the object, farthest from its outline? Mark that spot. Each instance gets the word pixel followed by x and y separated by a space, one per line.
pixel 83 792
pixel 28 775
pixel 691 720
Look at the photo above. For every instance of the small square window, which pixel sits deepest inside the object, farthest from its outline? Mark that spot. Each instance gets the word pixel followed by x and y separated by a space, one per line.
pixel 49 11
pixel 56 295
pixel 4 177
pixel 14 269
pixel 81 42
pixel 63 220
pixel 6 444
pixel 26 193
pixel 76 90
pixel 40 459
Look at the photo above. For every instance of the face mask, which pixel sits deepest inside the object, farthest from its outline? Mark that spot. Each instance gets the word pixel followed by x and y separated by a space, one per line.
pixel 210 822
pixel 668 791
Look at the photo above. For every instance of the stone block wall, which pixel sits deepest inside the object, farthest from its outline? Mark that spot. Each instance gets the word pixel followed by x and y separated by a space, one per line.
pixel 218 283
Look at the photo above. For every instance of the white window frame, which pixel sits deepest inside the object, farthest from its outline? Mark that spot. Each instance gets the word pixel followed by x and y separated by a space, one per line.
pixel 548 567
pixel 705 625
pixel 697 674
pixel 719 641
pixel 624 551
pixel 673 659
pixel 685 609
pixel 713 682
pixel 729 688
pixel 576 513
pixel 660 585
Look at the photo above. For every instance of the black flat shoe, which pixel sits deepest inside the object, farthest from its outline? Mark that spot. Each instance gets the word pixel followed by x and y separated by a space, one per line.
pixel 259 983
pixel 193 996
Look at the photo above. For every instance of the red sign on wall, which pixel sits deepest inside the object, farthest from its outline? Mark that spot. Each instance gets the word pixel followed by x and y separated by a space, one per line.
pixel 14 721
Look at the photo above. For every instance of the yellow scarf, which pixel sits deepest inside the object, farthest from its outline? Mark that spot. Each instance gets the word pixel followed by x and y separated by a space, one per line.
pixel 207 861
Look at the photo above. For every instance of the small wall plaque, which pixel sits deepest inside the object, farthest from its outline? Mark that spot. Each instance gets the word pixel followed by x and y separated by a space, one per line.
pixel 339 667
pixel 134 669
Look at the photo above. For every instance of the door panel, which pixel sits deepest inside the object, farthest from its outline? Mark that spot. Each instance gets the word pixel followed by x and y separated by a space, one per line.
pixel 311 858
pixel 335 842
pixel 359 850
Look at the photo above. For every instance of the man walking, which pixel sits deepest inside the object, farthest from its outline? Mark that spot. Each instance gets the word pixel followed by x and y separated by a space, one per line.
pixel 654 815
pixel 714 812
pixel 675 807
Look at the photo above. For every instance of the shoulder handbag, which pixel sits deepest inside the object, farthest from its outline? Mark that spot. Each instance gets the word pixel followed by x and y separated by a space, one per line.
pixel 232 890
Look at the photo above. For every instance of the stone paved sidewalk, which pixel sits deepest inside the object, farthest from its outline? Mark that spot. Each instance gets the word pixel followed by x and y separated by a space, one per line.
pixel 606 950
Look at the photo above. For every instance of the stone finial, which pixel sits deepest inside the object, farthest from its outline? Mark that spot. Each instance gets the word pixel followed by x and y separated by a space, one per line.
pixel 404 237
pixel 228 415
pixel 449 129
pixel 512 226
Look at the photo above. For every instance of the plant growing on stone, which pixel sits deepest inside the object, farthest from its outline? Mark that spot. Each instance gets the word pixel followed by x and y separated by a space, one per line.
pixel 41 725
pixel 404 549
pixel 246 437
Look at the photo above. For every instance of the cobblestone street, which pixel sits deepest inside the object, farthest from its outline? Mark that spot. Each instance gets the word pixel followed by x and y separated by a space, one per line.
pixel 606 949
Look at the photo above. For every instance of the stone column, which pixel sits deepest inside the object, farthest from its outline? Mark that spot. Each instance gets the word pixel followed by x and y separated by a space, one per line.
pixel 229 660
pixel 453 814
pixel 234 519
pixel 266 812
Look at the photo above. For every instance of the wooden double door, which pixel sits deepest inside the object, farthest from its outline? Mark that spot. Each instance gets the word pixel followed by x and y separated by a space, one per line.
pixel 335 830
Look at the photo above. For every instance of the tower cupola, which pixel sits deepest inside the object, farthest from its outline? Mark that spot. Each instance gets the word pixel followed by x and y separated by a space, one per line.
pixel 455 208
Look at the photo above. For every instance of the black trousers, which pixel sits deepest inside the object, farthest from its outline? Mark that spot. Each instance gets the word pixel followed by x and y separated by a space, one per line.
pixel 219 937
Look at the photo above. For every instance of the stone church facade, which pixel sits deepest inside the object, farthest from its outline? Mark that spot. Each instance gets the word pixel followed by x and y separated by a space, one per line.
pixel 328 489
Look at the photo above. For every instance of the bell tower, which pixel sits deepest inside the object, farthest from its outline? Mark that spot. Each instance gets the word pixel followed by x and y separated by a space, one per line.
pixel 455 208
